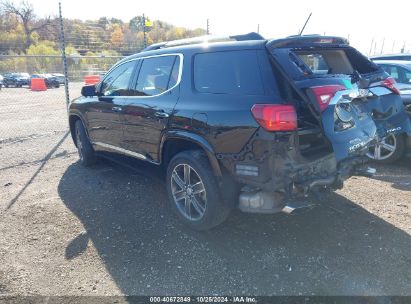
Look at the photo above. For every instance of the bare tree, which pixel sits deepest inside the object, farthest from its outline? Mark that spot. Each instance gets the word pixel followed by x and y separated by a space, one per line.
pixel 25 13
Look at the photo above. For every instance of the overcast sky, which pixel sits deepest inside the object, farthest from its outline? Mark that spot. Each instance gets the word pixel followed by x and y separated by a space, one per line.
pixel 361 20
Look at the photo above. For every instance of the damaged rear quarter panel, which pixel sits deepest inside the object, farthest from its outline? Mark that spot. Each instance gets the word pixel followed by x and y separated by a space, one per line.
pixel 280 163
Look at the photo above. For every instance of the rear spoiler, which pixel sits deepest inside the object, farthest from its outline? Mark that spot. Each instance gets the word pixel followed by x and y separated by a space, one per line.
pixel 308 41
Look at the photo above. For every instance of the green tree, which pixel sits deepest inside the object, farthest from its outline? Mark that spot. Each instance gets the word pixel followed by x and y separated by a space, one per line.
pixel 25 13
pixel 43 64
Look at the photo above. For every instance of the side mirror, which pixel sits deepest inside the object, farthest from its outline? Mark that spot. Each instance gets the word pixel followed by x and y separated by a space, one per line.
pixel 89 91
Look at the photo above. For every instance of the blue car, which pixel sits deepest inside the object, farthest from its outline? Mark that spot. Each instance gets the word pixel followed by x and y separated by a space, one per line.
pixel 392 147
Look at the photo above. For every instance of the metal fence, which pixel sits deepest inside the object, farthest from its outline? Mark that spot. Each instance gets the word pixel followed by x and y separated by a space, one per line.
pixel 77 66
pixel 64 58
pixel 33 120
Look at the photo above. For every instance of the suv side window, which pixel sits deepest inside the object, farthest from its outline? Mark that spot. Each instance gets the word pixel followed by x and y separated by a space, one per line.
pixel 392 70
pixel 116 83
pixel 405 75
pixel 157 75
pixel 231 72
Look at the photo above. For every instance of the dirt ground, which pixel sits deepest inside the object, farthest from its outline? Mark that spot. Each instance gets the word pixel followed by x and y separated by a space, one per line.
pixel 68 230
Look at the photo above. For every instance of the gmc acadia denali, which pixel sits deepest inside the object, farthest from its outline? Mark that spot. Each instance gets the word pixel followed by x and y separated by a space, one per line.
pixel 241 122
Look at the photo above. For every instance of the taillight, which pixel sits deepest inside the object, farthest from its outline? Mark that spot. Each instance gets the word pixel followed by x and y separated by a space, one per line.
pixel 278 117
pixel 391 84
pixel 324 94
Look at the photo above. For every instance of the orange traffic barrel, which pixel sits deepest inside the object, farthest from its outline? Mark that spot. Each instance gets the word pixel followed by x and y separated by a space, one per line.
pixel 91 79
pixel 38 84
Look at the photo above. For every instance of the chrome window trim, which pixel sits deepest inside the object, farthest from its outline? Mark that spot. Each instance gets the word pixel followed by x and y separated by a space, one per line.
pixel 110 70
pixel 180 72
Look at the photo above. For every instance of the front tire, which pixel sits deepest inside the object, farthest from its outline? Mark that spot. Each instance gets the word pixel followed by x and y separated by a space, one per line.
pixel 193 191
pixel 84 147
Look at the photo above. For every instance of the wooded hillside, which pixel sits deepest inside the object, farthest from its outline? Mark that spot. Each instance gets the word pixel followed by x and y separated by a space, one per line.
pixel 23 32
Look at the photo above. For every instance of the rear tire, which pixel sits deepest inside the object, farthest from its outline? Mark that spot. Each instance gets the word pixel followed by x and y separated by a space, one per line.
pixel 85 149
pixel 195 196
pixel 396 145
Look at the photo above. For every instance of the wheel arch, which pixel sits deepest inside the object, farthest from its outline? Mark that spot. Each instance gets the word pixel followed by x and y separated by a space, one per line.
pixel 177 141
pixel 73 117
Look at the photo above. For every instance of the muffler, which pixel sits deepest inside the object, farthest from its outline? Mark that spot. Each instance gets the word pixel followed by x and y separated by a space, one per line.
pixel 261 202
pixel 269 202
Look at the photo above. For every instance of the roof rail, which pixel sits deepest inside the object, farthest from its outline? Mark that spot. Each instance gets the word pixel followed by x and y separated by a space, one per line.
pixel 203 39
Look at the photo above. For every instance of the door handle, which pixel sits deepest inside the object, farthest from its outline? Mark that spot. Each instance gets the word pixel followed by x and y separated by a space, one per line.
pixel 117 109
pixel 161 114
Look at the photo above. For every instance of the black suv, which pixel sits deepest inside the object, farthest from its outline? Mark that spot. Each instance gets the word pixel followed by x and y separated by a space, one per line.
pixel 16 79
pixel 249 123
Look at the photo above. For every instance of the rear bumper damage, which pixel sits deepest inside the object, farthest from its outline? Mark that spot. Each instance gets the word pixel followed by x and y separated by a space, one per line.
pixel 298 192
pixel 301 194
pixel 277 177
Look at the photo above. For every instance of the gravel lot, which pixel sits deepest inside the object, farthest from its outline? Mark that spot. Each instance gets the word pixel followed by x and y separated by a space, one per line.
pixel 67 230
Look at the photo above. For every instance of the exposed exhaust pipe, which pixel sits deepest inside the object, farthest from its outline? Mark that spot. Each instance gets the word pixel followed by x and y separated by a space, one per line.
pixel 288 209
pixel 367 172
pixel 297 205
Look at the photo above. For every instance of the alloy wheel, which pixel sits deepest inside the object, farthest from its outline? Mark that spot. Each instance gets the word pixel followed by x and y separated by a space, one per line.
pixel 188 192
pixel 383 149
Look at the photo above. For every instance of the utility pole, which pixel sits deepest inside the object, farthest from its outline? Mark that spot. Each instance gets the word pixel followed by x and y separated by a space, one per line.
pixel 382 47
pixel 258 28
pixel 144 31
pixel 208 27
pixel 393 45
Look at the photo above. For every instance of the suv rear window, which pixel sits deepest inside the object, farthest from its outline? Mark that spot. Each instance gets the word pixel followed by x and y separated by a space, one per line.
pixel 231 72
pixel 335 61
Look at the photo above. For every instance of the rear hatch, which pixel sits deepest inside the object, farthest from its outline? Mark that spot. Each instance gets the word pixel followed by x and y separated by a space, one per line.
pixel 353 100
